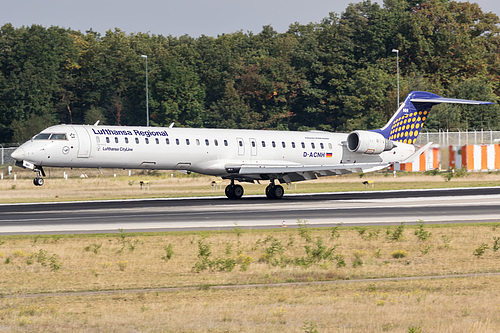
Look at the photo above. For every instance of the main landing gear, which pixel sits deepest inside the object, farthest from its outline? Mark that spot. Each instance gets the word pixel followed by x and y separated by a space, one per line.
pixel 234 191
pixel 272 191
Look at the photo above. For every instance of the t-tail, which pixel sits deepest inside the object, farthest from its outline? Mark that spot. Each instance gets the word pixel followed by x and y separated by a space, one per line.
pixel 406 123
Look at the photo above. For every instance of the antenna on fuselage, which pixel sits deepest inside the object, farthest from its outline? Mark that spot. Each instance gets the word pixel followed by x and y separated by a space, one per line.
pixel 171 125
pixel 97 123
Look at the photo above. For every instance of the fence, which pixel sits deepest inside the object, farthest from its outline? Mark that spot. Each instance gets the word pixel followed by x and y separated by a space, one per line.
pixel 445 138
pixel 5 153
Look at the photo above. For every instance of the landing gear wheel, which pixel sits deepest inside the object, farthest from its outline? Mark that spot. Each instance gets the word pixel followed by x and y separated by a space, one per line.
pixel 274 191
pixel 234 191
pixel 38 181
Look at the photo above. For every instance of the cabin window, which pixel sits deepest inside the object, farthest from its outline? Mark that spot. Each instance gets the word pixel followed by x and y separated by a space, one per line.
pixel 329 145
pixel 240 143
pixel 157 141
pixel 177 142
pixel 303 145
pixel 126 140
pixel 167 140
pixel 58 136
pixel 263 144
pixel 322 145
pixel 293 144
pixel 42 136
pixel 273 144
pixel 225 143
pixel 97 139
pixel 187 142
pixel 116 140
pixel 253 143
pixel 283 144
pixel 107 140
pixel 207 142
pixel 137 140
pixel 313 145
pixel 197 142
pixel 147 141
pixel 216 143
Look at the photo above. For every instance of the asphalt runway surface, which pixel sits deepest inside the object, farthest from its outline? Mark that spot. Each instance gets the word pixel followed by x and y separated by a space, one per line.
pixel 464 205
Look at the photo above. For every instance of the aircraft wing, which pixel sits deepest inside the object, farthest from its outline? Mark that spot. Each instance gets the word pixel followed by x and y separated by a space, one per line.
pixel 290 173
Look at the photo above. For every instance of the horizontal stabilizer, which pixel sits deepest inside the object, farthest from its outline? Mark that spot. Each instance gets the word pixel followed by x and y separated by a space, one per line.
pixel 448 100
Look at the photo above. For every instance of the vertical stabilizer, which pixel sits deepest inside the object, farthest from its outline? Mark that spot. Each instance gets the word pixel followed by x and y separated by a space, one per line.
pixel 406 124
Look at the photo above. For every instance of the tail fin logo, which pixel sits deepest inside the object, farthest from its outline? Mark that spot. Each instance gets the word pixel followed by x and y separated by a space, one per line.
pixel 407 127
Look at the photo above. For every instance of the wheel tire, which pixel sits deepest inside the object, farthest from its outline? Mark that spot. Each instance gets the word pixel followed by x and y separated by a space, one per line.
pixel 278 192
pixel 228 191
pixel 237 191
pixel 234 191
pixel 38 181
pixel 270 191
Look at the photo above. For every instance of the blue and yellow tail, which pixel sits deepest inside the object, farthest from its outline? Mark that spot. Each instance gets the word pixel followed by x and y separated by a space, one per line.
pixel 406 124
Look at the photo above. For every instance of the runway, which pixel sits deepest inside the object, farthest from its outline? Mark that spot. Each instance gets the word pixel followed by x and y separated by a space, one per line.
pixel 327 209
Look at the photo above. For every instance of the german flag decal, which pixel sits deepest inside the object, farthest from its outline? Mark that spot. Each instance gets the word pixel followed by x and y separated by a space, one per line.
pixel 328 155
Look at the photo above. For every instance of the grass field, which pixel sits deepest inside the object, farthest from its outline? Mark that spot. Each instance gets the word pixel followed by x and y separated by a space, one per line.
pixel 50 264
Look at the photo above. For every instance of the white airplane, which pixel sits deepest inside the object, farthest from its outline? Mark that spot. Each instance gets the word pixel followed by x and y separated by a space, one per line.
pixel 234 154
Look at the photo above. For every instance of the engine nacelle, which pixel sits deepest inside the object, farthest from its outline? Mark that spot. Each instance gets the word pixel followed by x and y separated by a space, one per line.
pixel 365 142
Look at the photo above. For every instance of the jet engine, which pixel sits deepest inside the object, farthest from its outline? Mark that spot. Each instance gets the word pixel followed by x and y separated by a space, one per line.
pixel 365 142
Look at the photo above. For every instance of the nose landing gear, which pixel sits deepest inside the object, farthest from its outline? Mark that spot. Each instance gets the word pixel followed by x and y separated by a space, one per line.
pixel 38 181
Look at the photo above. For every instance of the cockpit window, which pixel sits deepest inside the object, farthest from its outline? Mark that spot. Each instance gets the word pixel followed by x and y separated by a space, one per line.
pixel 58 136
pixel 42 136
pixel 51 136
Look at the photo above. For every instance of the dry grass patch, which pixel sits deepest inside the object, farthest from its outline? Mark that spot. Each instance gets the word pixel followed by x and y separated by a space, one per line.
pixel 34 264
pixel 449 305
pixel 122 261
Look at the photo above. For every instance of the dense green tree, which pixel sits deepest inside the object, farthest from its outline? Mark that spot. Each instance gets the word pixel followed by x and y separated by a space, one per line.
pixel 336 75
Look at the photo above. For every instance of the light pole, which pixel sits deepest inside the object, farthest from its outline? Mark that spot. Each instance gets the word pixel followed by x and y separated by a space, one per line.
pixel 147 95
pixel 397 66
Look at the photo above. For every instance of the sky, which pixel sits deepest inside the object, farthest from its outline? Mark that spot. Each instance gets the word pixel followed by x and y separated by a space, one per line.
pixel 177 17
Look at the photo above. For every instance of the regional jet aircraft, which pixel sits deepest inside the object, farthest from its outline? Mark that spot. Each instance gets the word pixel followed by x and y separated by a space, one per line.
pixel 234 154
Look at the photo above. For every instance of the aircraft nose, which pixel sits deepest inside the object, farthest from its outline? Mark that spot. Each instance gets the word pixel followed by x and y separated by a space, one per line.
pixel 18 154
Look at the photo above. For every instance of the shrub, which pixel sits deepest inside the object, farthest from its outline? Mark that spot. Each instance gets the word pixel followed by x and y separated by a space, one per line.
pixel 122 264
pixel 335 232
pixel 54 263
pixel 357 259
pixel 340 260
pixel 303 231
pixel 496 243
pixel 399 254
pixel 422 234
pixel 244 262
pixel 94 248
pixel 169 252
pixel 479 251
pixel 446 241
pixel 397 233
pixel 221 264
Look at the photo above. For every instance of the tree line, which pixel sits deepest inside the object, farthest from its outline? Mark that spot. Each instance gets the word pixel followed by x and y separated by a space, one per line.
pixel 335 75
